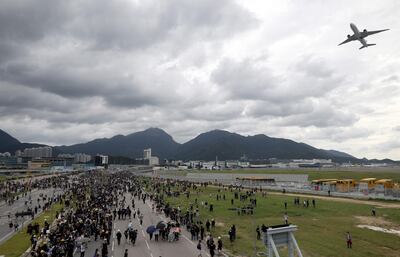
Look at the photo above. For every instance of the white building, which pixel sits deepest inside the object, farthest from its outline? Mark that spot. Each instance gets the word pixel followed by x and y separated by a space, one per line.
pixel 38 152
pixel 153 160
pixel 82 158
pixel 147 153
pixel 65 155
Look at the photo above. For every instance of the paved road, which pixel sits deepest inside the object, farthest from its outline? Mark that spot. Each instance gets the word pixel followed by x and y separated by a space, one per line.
pixel 145 247
pixel 18 206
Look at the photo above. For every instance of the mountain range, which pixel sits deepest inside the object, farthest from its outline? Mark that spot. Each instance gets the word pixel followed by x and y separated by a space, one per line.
pixel 206 146
pixel 11 144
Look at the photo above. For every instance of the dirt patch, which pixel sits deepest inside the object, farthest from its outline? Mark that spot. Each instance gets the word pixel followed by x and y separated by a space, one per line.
pixel 380 229
pixel 375 221
pixel 378 224
pixel 220 224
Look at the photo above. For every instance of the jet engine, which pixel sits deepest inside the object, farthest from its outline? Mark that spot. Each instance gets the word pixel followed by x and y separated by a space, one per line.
pixel 365 30
pixel 348 36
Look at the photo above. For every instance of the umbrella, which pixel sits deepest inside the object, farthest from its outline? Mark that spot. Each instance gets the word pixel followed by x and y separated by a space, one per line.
pixel 161 225
pixel 151 229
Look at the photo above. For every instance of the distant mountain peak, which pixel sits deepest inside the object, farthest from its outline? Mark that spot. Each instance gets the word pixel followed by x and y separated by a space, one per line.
pixel 206 146
pixel 6 138
pixel 10 144
pixel 151 131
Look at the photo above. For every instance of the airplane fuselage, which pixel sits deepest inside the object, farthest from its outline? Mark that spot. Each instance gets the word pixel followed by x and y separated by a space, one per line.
pixel 357 34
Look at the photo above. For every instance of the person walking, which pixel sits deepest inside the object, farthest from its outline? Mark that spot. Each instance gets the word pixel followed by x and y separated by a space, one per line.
pixel 349 241
pixel 233 228
pixel 141 219
pixel 202 231
pixel 285 217
pixel 208 224
pixel 156 234
pixel 219 245
pixel 96 253
pixel 199 248
pixel 119 235
pixel 126 253
pixel 83 249
pixel 258 233
pixel 212 248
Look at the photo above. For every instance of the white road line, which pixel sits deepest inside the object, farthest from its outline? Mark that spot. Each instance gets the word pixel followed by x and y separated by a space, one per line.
pixel 112 247
pixel 144 235
pixel 147 244
pixel 188 239
pixel 151 255
pixel 193 243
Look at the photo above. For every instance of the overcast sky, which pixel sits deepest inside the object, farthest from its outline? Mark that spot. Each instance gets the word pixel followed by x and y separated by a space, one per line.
pixel 72 71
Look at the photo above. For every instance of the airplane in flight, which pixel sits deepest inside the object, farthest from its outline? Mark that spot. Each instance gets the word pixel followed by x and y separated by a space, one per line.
pixel 360 36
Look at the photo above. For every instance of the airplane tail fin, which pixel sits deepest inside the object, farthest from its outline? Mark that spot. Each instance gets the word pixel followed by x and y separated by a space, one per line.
pixel 366 46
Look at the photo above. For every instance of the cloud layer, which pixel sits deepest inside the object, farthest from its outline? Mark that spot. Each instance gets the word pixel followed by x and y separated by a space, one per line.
pixel 72 71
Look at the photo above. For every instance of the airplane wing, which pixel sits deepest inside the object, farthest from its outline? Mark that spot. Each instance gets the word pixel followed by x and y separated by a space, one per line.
pixel 367 33
pixel 349 39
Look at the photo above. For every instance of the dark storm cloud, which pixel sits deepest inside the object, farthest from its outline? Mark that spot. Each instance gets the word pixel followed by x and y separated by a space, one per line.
pixel 130 25
pixel 15 97
pixel 29 20
pixel 75 83
pixel 113 27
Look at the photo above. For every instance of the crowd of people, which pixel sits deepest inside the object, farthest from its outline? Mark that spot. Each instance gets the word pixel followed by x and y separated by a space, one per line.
pixel 93 201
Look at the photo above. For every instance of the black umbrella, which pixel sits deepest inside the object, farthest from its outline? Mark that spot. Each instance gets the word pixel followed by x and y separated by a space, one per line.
pixel 161 225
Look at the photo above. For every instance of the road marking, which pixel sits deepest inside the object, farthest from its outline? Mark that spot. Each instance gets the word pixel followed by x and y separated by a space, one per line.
pixel 112 247
pixel 190 241
pixel 147 244
pixel 144 235
pixel 151 255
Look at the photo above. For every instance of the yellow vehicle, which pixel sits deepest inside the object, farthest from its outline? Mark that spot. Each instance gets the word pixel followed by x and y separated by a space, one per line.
pixel 386 183
pixel 367 183
pixel 320 184
pixel 345 185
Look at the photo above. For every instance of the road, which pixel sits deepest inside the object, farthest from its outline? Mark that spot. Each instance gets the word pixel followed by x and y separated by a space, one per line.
pixel 18 206
pixel 145 247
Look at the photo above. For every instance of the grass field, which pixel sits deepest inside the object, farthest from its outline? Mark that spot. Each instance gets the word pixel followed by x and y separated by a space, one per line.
pixel 321 229
pixel 20 242
pixel 314 173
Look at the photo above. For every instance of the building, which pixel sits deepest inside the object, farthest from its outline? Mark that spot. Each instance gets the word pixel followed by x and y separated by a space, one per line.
pixel 101 160
pixel 314 163
pixel 39 165
pixel 38 152
pixel 83 158
pixel 8 162
pixel 147 153
pixel 152 160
